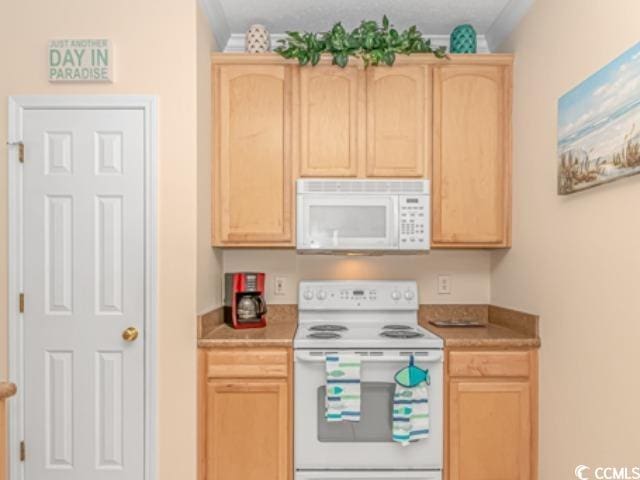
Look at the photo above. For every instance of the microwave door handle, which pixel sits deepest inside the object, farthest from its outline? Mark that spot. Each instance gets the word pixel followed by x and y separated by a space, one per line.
pixel 382 359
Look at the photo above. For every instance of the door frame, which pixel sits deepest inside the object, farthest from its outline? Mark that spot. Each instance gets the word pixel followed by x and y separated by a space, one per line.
pixel 17 105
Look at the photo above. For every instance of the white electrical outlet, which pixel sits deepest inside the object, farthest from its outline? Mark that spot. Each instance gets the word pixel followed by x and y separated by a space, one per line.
pixel 444 284
pixel 280 286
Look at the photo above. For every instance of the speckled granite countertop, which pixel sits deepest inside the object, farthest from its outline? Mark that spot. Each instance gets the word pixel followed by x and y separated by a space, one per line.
pixel 504 328
pixel 282 321
pixel 7 390
pixel 491 336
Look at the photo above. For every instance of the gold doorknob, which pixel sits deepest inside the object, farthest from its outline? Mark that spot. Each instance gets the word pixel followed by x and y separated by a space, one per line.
pixel 130 334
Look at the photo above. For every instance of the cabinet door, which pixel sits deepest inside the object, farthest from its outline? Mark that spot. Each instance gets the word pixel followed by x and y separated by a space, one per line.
pixel 248 430
pixel 252 161
pixel 489 430
pixel 330 130
pixel 398 115
pixel 472 157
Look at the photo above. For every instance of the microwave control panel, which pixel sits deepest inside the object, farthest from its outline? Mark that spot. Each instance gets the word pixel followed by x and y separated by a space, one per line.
pixel 414 222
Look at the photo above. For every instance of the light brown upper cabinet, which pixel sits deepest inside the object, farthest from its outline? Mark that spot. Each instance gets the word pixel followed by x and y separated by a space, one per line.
pixel 252 168
pixel 331 122
pixel 448 120
pixel 398 113
pixel 364 124
pixel 471 177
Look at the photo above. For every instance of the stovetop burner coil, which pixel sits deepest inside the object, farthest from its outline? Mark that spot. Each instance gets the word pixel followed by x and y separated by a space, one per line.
pixel 324 335
pixel 401 334
pixel 328 328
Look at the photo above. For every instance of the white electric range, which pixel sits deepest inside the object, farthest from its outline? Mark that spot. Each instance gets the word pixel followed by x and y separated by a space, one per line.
pixel 377 320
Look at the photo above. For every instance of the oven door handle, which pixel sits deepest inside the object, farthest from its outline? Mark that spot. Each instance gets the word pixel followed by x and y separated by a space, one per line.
pixel 436 357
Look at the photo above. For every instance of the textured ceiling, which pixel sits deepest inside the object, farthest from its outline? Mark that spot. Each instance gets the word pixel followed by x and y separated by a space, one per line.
pixel 431 16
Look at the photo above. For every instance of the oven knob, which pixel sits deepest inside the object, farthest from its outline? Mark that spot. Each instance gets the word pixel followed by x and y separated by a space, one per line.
pixel 396 295
pixel 408 295
pixel 321 295
pixel 308 294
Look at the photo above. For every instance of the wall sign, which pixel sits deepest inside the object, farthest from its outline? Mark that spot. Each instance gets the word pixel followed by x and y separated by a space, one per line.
pixel 80 60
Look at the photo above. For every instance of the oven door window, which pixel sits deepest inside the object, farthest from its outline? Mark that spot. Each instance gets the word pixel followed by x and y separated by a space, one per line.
pixel 375 423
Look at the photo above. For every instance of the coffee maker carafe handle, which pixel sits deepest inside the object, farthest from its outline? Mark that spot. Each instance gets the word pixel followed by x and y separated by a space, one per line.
pixel 262 306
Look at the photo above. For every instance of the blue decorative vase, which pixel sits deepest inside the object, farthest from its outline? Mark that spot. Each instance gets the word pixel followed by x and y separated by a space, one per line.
pixel 463 39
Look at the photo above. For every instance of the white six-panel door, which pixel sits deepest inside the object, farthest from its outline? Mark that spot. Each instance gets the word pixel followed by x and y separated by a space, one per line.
pixel 83 278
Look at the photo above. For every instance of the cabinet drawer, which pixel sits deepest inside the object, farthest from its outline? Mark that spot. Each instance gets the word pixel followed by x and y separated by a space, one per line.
pixel 258 363
pixel 489 364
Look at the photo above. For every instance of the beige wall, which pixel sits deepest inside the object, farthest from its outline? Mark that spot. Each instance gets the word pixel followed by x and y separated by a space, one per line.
pixel 155 53
pixel 469 271
pixel 209 267
pixel 575 260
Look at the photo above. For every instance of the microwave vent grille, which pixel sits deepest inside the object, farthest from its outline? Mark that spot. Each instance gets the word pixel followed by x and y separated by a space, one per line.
pixel 364 186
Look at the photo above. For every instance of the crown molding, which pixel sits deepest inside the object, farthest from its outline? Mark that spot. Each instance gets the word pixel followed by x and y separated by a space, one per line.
pixel 235 43
pixel 218 21
pixel 506 22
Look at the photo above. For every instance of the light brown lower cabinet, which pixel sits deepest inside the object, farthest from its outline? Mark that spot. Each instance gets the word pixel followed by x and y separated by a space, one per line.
pixel 491 420
pixel 245 414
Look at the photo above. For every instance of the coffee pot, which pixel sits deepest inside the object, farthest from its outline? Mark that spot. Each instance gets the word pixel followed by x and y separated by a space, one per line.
pixel 251 306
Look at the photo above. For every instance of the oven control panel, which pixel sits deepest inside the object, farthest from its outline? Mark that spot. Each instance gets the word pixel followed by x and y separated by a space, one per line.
pixel 414 224
pixel 358 295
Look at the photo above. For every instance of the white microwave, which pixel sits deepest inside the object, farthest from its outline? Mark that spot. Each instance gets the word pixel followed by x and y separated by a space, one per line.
pixel 363 216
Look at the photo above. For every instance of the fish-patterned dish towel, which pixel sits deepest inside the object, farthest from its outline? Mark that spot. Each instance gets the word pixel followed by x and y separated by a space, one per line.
pixel 410 413
pixel 342 401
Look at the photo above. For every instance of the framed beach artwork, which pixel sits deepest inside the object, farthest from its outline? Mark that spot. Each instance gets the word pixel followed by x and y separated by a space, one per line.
pixel 599 126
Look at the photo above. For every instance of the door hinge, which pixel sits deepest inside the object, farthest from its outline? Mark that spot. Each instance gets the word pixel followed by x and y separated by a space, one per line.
pixel 21 303
pixel 20 146
pixel 23 452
